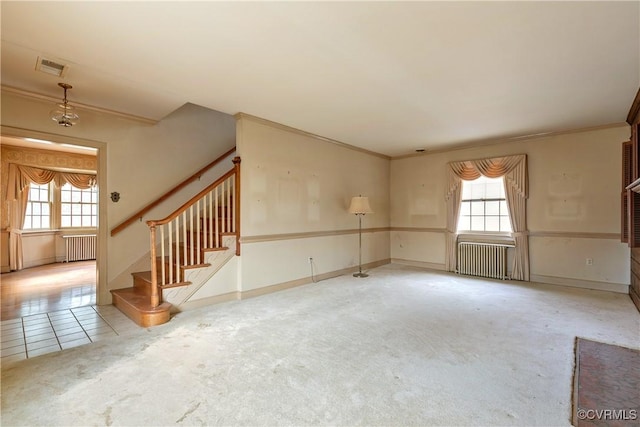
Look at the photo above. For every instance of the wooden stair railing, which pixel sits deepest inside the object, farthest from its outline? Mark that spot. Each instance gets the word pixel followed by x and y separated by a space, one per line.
pixel 138 215
pixel 195 227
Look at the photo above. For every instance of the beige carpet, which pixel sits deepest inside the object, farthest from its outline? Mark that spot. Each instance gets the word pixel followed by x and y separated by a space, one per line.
pixel 403 347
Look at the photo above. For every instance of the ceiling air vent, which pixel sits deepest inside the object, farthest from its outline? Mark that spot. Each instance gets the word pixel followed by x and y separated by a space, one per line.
pixel 51 67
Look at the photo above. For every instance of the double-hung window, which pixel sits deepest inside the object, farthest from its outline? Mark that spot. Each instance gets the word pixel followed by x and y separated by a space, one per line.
pixel 38 210
pixel 78 208
pixel 49 207
pixel 483 207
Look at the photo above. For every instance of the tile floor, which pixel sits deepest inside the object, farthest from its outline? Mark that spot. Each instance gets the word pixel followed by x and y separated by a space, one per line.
pixel 38 334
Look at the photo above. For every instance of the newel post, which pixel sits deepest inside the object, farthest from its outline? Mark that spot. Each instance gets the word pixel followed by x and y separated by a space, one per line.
pixel 236 196
pixel 155 297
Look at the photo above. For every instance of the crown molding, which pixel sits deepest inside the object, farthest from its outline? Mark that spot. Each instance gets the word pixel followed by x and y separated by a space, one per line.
pixel 47 98
pixel 488 142
pixel 286 128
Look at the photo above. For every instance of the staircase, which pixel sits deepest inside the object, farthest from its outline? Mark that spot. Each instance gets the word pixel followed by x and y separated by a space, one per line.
pixel 187 248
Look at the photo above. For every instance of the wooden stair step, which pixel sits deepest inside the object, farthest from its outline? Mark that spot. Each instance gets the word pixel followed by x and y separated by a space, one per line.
pixel 138 307
pixel 142 282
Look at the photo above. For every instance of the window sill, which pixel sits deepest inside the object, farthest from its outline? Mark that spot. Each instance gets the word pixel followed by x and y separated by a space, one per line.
pixel 499 238
pixel 71 231
pixel 42 232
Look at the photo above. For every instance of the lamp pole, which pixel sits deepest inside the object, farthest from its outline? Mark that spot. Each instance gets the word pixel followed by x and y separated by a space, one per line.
pixel 360 206
pixel 360 273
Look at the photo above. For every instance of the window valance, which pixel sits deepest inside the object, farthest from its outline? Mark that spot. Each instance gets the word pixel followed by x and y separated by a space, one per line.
pixel 513 168
pixel 21 176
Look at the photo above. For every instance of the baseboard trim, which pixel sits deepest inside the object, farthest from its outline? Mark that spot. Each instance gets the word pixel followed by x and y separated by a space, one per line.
pixel 232 296
pixel 39 262
pixel 420 264
pixel 306 280
pixel 204 302
pixel 578 283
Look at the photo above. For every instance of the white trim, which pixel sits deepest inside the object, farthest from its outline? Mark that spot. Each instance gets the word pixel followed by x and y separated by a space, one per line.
pixel 286 128
pixel 419 229
pixel 306 235
pixel 502 238
pixel 574 235
pixel 419 264
pixel 488 142
pixel 579 283
pixel 33 95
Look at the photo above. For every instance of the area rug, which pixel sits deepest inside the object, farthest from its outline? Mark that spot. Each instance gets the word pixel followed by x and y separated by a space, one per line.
pixel 606 388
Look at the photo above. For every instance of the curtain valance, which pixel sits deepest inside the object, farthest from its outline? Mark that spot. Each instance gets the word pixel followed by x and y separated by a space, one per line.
pixel 513 168
pixel 21 176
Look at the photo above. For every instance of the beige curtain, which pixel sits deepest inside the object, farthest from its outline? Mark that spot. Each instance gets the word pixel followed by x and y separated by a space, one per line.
pixel 514 170
pixel 18 195
pixel 453 197
pixel 78 180
pixel 17 204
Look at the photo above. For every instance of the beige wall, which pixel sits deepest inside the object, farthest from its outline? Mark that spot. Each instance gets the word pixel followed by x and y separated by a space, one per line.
pixel 296 189
pixel 573 210
pixel 139 159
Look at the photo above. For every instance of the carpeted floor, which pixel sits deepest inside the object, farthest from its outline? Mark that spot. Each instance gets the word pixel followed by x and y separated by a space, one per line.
pixel 403 347
pixel 607 385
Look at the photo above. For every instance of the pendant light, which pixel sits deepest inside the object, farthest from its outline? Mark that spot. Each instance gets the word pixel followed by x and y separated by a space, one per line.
pixel 64 114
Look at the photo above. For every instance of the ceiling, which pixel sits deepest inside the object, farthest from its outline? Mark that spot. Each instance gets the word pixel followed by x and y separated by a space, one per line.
pixel 41 144
pixel 390 77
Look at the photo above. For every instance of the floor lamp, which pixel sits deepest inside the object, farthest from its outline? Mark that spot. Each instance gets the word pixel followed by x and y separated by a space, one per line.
pixel 360 207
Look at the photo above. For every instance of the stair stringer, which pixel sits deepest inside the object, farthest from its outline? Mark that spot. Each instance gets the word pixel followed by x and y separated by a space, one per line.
pixel 201 278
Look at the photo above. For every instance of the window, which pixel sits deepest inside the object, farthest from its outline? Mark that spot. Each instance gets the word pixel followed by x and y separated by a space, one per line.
pixel 38 212
pixel 78 208
pixel 484 206
pixel 50 207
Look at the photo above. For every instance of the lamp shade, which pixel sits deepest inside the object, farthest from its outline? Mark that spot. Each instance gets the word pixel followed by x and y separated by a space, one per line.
pixel 360 206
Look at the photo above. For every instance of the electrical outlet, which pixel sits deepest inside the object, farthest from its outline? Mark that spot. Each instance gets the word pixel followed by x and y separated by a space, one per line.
pixel 589 261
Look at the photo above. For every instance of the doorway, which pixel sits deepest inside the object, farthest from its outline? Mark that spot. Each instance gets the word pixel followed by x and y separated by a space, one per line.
pixel 46 284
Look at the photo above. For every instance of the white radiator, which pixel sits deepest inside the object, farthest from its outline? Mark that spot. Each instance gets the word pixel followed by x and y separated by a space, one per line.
pixel 80 247
pixel 483 259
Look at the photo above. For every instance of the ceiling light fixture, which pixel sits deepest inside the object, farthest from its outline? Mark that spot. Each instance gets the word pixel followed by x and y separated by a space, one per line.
pixel 64 114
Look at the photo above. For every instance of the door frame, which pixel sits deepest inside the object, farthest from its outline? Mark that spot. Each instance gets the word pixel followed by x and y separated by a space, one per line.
pixel 103 297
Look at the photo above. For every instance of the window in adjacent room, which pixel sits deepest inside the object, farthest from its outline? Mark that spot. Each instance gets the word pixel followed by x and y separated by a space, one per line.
pixel 38 212
pixel 78 208
pixel 484 207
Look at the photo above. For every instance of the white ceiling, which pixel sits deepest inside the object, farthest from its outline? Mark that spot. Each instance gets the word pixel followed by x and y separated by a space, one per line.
pixel 386 76
pixel 41 144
